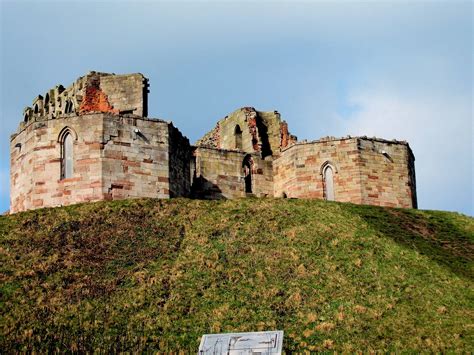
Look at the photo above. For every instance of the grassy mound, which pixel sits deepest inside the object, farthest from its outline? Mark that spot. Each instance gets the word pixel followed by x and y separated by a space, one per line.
pixel 154 275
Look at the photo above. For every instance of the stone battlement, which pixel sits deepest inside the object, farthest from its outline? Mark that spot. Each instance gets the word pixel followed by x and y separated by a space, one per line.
pixel 94 92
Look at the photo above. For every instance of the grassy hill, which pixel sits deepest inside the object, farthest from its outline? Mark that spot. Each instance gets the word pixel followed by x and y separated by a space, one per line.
pixel 157 274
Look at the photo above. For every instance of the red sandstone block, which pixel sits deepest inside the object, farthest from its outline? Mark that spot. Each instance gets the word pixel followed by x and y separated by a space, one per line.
pixel 373 177
pixel 44 147
pixel 93 145
pixel 140 172
pixel 131 163
pixel 87 161
pixel 113 154
pixel 304 178
pixel 65 181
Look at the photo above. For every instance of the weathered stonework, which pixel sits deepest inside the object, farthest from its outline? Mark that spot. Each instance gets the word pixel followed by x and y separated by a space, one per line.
pixel 118 153
pixel 367 171
pixel 262 132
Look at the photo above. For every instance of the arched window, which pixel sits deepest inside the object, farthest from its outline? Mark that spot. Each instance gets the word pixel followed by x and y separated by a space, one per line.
pixel 247 166
pixel 36 108
pixel 67 156
pixel 238 137
pixel 328 176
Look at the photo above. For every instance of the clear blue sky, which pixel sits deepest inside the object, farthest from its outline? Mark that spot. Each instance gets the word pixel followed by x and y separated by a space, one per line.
pixel 394 69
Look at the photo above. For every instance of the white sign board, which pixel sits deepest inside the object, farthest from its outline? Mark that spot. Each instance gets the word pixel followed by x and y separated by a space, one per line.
pixel 263 343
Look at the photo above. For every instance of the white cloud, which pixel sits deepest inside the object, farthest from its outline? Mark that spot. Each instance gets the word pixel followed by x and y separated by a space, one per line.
pixel 439 130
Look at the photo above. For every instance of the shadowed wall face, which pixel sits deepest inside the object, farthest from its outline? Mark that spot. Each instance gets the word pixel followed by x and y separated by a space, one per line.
pixel 229 174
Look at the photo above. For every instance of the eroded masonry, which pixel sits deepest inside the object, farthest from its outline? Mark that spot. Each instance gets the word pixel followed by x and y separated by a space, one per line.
pixel 93 141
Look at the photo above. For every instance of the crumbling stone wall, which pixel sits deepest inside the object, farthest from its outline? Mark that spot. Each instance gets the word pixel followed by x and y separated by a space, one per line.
pixel 94 92
pixel 262 132
pixel 119 153
pixel 220 174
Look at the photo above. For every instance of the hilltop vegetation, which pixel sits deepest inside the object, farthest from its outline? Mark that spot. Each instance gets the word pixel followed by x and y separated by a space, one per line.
pixel 155 275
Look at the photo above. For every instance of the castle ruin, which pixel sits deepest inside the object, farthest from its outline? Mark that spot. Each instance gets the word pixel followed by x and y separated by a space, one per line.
pixel 93 141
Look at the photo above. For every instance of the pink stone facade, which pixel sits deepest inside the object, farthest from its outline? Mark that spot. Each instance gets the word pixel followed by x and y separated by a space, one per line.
pixel 366 171
pixel 119 153
pixel 111 161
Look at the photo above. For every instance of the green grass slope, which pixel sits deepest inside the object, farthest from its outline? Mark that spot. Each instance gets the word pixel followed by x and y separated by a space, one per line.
pixel 154 275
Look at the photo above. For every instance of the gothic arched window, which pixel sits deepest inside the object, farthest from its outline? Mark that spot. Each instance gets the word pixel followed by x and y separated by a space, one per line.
pixel 67 164
pixel 328 176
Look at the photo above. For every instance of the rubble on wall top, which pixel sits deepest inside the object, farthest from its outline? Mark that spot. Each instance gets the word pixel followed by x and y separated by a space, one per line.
pixel 348 137
pixel 84 95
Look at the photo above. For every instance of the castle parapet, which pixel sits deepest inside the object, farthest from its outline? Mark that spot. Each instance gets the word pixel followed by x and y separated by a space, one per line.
pixel 92 93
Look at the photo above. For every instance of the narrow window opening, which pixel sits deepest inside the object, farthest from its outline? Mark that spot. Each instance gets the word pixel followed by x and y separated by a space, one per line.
pixel 247 166
pixel 68 108
pixel 238 137
pixel 46 103
pixel 67 157
pixel 328 183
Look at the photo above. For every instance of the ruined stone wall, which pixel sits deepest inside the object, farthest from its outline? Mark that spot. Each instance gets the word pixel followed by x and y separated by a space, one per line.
pixel 35 164
pixel 118 153
pixel 180 157
pixel 246 119
pixel 94 92
pixel 219 174
pixel 262 132
pixel 298 171
pixel 126 93
pixel 387 173
pixel 135 158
